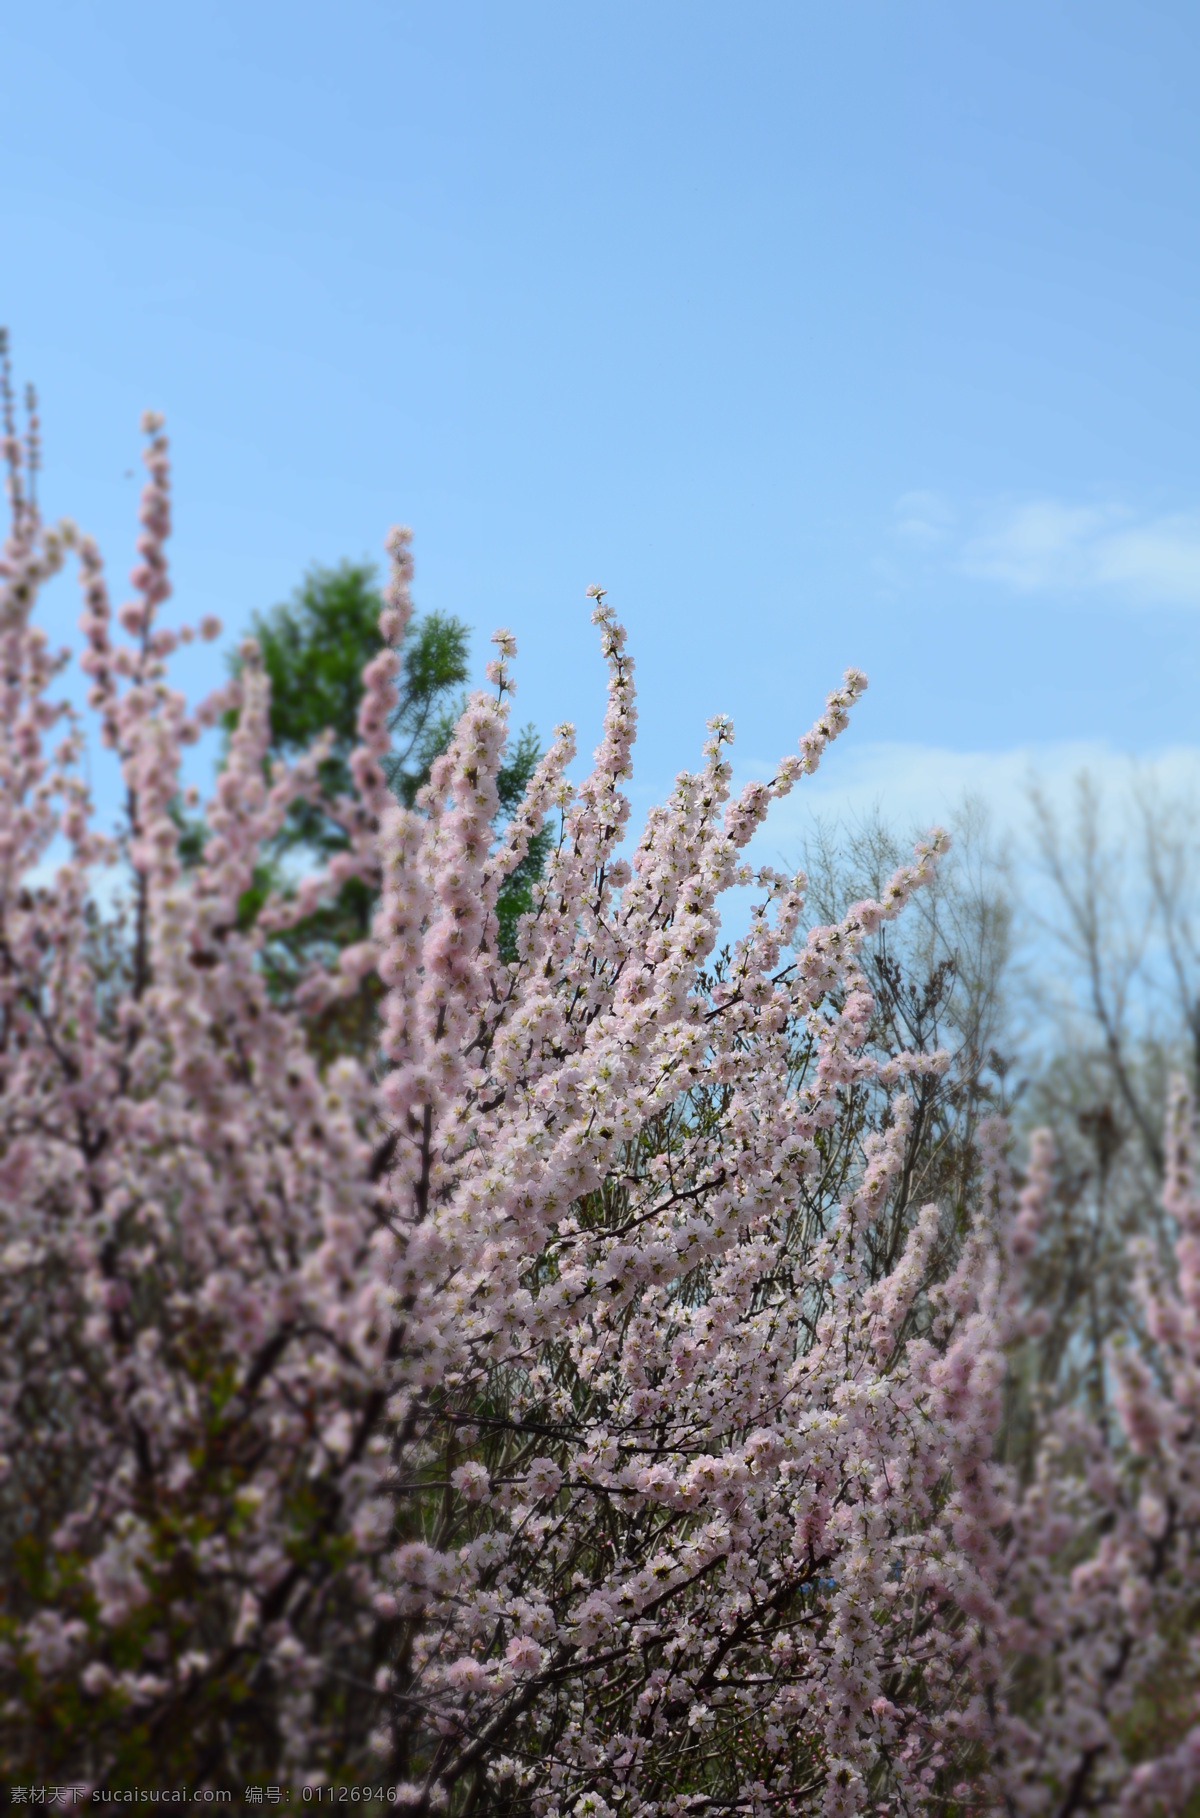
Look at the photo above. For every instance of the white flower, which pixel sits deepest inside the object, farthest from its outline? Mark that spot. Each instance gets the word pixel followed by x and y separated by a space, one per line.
pixel 472 1482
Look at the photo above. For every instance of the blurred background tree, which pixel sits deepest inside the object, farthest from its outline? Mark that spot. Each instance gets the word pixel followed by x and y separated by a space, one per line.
pixel 1062 975
pixel 314 649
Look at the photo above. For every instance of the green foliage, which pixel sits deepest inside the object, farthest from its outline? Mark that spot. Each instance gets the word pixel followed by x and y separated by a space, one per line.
pixel 314 649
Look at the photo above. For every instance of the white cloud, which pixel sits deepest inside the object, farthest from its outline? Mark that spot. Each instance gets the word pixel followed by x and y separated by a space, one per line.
pixel 1038 545
pixel 915 786
pixel 924 518
pixel 1049 545
pixel 1159 560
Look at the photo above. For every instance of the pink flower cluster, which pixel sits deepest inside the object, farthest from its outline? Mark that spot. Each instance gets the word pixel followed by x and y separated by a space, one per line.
pixel 529 1415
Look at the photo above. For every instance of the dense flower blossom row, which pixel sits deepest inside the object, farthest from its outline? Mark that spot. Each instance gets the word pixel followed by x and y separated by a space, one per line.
pixel 532 1417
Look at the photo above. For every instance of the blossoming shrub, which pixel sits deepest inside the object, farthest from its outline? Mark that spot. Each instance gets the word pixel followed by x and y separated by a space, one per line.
pixel 1098 1592
pixel 554 1414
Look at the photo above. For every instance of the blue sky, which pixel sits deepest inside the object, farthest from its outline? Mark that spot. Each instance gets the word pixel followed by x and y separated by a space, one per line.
pixel 820 334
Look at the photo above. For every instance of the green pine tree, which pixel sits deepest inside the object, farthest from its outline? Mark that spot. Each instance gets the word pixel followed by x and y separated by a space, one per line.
pixel 314 649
